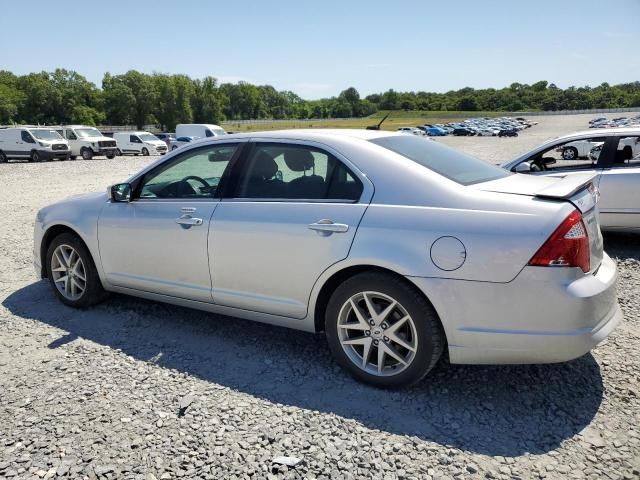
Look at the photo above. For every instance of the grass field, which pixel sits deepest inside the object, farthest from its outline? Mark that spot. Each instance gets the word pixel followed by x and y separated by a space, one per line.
pixel 396 120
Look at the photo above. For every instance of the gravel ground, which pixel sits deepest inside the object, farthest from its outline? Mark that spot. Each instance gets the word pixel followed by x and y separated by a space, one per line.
pixel 136 389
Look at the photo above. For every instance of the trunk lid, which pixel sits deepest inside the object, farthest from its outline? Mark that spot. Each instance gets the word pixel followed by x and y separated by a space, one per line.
pixel 577 188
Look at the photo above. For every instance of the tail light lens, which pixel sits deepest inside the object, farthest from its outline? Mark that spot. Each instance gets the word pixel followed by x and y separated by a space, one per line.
pixel 568 246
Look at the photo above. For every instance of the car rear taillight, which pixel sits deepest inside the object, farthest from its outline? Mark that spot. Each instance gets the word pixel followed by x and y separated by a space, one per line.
pixel 568 246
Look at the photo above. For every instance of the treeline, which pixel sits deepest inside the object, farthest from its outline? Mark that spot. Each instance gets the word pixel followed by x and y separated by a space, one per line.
pixel 136 98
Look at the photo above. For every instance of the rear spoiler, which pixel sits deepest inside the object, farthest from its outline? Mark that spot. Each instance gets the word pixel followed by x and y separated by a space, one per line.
pixel 577 187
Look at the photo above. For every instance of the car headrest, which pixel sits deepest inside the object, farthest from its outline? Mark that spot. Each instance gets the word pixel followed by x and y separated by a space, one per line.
pixel 264 166
pixel 298 160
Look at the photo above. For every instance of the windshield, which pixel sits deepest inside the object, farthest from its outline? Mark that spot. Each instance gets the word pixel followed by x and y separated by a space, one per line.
pixel 88 132
pixel 452 164
pixel 42 134
pixel 147 137
pixel 218 131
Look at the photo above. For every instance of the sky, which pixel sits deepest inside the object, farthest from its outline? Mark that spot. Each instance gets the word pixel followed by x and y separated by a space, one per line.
pixel 319 48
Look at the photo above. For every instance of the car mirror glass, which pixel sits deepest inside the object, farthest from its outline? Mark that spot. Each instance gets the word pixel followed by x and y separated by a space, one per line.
pixel 523 167
pixel 121 192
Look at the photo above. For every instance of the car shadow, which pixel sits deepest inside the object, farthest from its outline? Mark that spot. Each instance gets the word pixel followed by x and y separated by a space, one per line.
pixel 494 410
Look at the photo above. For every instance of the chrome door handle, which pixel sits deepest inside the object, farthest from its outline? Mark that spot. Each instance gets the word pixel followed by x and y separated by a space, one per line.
pixel 328 227
pixel 187 221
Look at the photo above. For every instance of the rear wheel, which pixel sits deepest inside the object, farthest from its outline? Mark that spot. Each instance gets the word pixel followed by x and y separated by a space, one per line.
pixel 383 331
pixel 87 153
pixel 72 273
pixel 570 153
pixel 3 157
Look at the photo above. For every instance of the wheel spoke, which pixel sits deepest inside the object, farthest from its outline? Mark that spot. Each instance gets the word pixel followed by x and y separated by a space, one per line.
pixel 65 256
pixel 61 279
pixel 59 260
pixel 366 352
pixel 356 341
pixel 382 316
pixel 394 328
pixel 59 269
pixel 396 339
pixel 362 322
pixel 370 307
pixel 391 352
pixel 380 357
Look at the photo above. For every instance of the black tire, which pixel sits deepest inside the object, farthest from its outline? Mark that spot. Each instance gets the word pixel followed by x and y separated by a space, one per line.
pixel 73 157
pixel 429 332
pixel 145 152
pixel 87 153
pixel 35 156
pixel 119 152
pixel 94 293
pixel 570 153
pixel 3 157
pixel 111 156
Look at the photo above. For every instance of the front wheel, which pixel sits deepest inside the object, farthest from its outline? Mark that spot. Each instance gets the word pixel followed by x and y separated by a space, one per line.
pixel 383 331
pixel 145 152
pixel 72 273
pixel 111 156
pixel 87 154
pixel 570 153
pixel 34 157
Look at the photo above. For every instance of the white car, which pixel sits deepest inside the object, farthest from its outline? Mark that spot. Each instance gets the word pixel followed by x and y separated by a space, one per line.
pixel 613 160
pixel 411 131
pixel 32 143
pixel 199 130
pixel 87 142
pixel 396 247
pixel 139 143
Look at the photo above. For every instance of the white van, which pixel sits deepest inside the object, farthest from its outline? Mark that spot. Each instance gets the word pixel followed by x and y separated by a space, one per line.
pixel 87 141
pixel 33 143
pixel 199 130
pixel 139 143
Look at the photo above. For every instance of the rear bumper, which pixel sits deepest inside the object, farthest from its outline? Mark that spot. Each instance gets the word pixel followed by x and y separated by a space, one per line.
pixel 545 315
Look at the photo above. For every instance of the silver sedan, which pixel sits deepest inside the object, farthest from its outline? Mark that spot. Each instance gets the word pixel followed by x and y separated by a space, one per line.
pixel 399 248
pixel 612 156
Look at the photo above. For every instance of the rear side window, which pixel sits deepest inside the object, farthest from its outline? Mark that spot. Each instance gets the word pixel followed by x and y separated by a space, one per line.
pixel 297 172
pixel 452 164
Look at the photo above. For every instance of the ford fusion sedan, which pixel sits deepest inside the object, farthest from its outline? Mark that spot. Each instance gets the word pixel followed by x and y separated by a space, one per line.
pixel 612 156
pixel 399 249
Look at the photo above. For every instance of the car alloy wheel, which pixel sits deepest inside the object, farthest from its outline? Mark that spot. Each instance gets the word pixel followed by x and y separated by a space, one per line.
pixel 569 154
pixel 377 333
pixel 145 152
pixel 68 272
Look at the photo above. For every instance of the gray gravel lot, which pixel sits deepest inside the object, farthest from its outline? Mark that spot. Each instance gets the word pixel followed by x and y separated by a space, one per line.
pixel 98 393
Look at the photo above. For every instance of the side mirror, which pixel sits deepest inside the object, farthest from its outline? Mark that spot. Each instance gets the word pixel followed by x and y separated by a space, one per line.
pixel 523 167
pixel 121 192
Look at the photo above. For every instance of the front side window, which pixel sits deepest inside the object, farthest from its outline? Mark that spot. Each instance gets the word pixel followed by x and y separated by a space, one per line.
pixel 195 174
pixel 452 164
pixel 147 137
pixel 26 137
pixel 569 155
pixel 285 171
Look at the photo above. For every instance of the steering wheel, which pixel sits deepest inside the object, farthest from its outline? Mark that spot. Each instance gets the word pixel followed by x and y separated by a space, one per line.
pixel 185 181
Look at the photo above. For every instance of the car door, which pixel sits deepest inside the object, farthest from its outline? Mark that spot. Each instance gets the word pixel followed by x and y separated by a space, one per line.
pixel 74 144
pixel 157 242
pixel 620 185
pixel 293 212
pixel 25 143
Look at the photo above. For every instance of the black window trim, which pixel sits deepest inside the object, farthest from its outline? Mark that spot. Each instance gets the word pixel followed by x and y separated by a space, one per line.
pixel 243 162
pixel 136 184
pixel 613 153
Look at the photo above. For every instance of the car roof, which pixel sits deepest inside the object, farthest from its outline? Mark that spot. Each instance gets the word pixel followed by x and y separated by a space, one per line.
pixel 312 134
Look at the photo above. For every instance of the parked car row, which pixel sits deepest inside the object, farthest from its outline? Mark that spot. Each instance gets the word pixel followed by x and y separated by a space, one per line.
pixel 604 122
pixel 68 142
pixel 482 127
